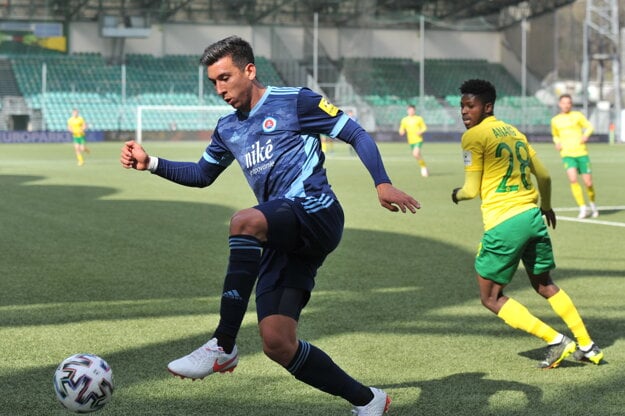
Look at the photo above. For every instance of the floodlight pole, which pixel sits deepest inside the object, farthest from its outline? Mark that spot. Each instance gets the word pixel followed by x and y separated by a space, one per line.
pixel 123 79
pixel 422 65
pixel 44 87
pixel 120 111
pixel 524 28
pixel 316 48
pixel 200 84
pixel 602 23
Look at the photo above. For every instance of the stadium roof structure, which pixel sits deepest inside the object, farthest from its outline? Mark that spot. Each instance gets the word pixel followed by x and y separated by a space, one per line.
pixel 443 14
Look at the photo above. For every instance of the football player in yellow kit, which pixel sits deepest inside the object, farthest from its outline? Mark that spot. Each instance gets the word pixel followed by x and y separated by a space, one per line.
pixel 77 126
pixel 570 131
pixel 413 127
pixel 499 164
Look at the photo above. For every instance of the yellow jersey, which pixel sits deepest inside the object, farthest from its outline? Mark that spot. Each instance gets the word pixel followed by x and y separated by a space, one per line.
pixel 77 126
pixel 568 129
pixel 413 127
pixel 503 155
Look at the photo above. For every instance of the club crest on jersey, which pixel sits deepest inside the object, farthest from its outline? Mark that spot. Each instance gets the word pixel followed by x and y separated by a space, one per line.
pixel 269 124
pixel 328 107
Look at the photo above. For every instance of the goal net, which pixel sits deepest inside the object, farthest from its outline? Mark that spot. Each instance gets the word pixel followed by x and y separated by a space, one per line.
pixel 173 122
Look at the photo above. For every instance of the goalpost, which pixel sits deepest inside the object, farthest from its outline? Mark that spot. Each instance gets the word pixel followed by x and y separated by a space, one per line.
pixel 174 119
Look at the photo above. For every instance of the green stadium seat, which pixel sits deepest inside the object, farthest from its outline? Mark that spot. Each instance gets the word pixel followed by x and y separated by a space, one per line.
pixel 87 81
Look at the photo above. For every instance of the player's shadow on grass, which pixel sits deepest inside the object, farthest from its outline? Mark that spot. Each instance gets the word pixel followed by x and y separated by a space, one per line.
pixel 466 394
pixel 471 394
pixel 71 256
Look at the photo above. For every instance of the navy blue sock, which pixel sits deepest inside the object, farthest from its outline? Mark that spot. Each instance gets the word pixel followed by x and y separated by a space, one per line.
pixel 243 266
pixel 315 368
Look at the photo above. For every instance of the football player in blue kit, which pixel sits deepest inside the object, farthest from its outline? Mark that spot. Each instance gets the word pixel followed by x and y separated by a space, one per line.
pixel 280 243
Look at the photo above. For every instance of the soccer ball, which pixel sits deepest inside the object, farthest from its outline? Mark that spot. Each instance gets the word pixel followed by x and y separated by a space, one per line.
pixel 83 383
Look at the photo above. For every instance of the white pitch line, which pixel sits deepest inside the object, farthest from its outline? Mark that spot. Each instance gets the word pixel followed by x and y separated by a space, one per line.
pixel 590 220
pixel 606 208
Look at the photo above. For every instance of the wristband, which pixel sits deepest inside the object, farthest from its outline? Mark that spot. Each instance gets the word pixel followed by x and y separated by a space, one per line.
pixel 153 164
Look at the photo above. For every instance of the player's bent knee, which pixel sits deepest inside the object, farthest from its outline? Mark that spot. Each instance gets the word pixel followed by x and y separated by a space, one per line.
pixel 279 349
pixel 249 221
pixel 272 347
pixel 279 345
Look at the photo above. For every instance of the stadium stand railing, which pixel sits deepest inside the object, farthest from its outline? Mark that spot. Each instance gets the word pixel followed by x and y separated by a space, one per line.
pixel 87 82
pixel 389 85
pixel 386 85
pixel 444 76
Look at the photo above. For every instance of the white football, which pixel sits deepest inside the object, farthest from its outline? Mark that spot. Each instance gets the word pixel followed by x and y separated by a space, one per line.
pixel 83 383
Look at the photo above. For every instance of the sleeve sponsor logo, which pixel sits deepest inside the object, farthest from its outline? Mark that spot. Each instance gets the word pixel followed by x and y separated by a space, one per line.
pixel 328 107
pixel 468 158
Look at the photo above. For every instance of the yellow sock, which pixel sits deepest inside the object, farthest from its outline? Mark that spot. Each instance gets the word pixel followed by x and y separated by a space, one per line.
pixel 578 194
pixel 422 163
pixel 564 307
pixel 517 316
pixel 81 160
pixel 591 193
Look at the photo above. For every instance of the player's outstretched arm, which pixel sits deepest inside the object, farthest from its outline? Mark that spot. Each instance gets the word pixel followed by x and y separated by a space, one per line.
pixel 395 200
pixel 133 156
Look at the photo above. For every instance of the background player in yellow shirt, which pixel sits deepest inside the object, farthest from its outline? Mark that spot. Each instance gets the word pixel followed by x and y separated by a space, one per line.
pixel 413 127
pixel 77 126
pixel 571 130
pixel 498 164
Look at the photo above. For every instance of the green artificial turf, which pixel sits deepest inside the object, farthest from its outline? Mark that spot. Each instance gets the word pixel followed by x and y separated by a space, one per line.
pixel 128 266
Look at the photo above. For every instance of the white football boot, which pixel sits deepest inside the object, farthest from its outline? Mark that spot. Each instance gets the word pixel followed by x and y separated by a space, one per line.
pixel 208 359
pixel 376 407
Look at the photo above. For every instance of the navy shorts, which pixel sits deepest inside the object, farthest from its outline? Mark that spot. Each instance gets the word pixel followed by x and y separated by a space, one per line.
pixel 298 241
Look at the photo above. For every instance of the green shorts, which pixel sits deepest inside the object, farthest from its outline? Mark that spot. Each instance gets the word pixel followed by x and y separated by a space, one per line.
pixel 581 163
pixel 523 237
pixel 413 145
pixel 79 140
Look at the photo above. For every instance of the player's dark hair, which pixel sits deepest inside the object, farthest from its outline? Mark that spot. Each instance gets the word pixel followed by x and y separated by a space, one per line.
pixel 566 96
pixel 238 49
pixel 482 89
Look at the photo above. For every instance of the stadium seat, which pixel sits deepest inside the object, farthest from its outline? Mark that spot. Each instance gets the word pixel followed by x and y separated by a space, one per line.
pixel 88 82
